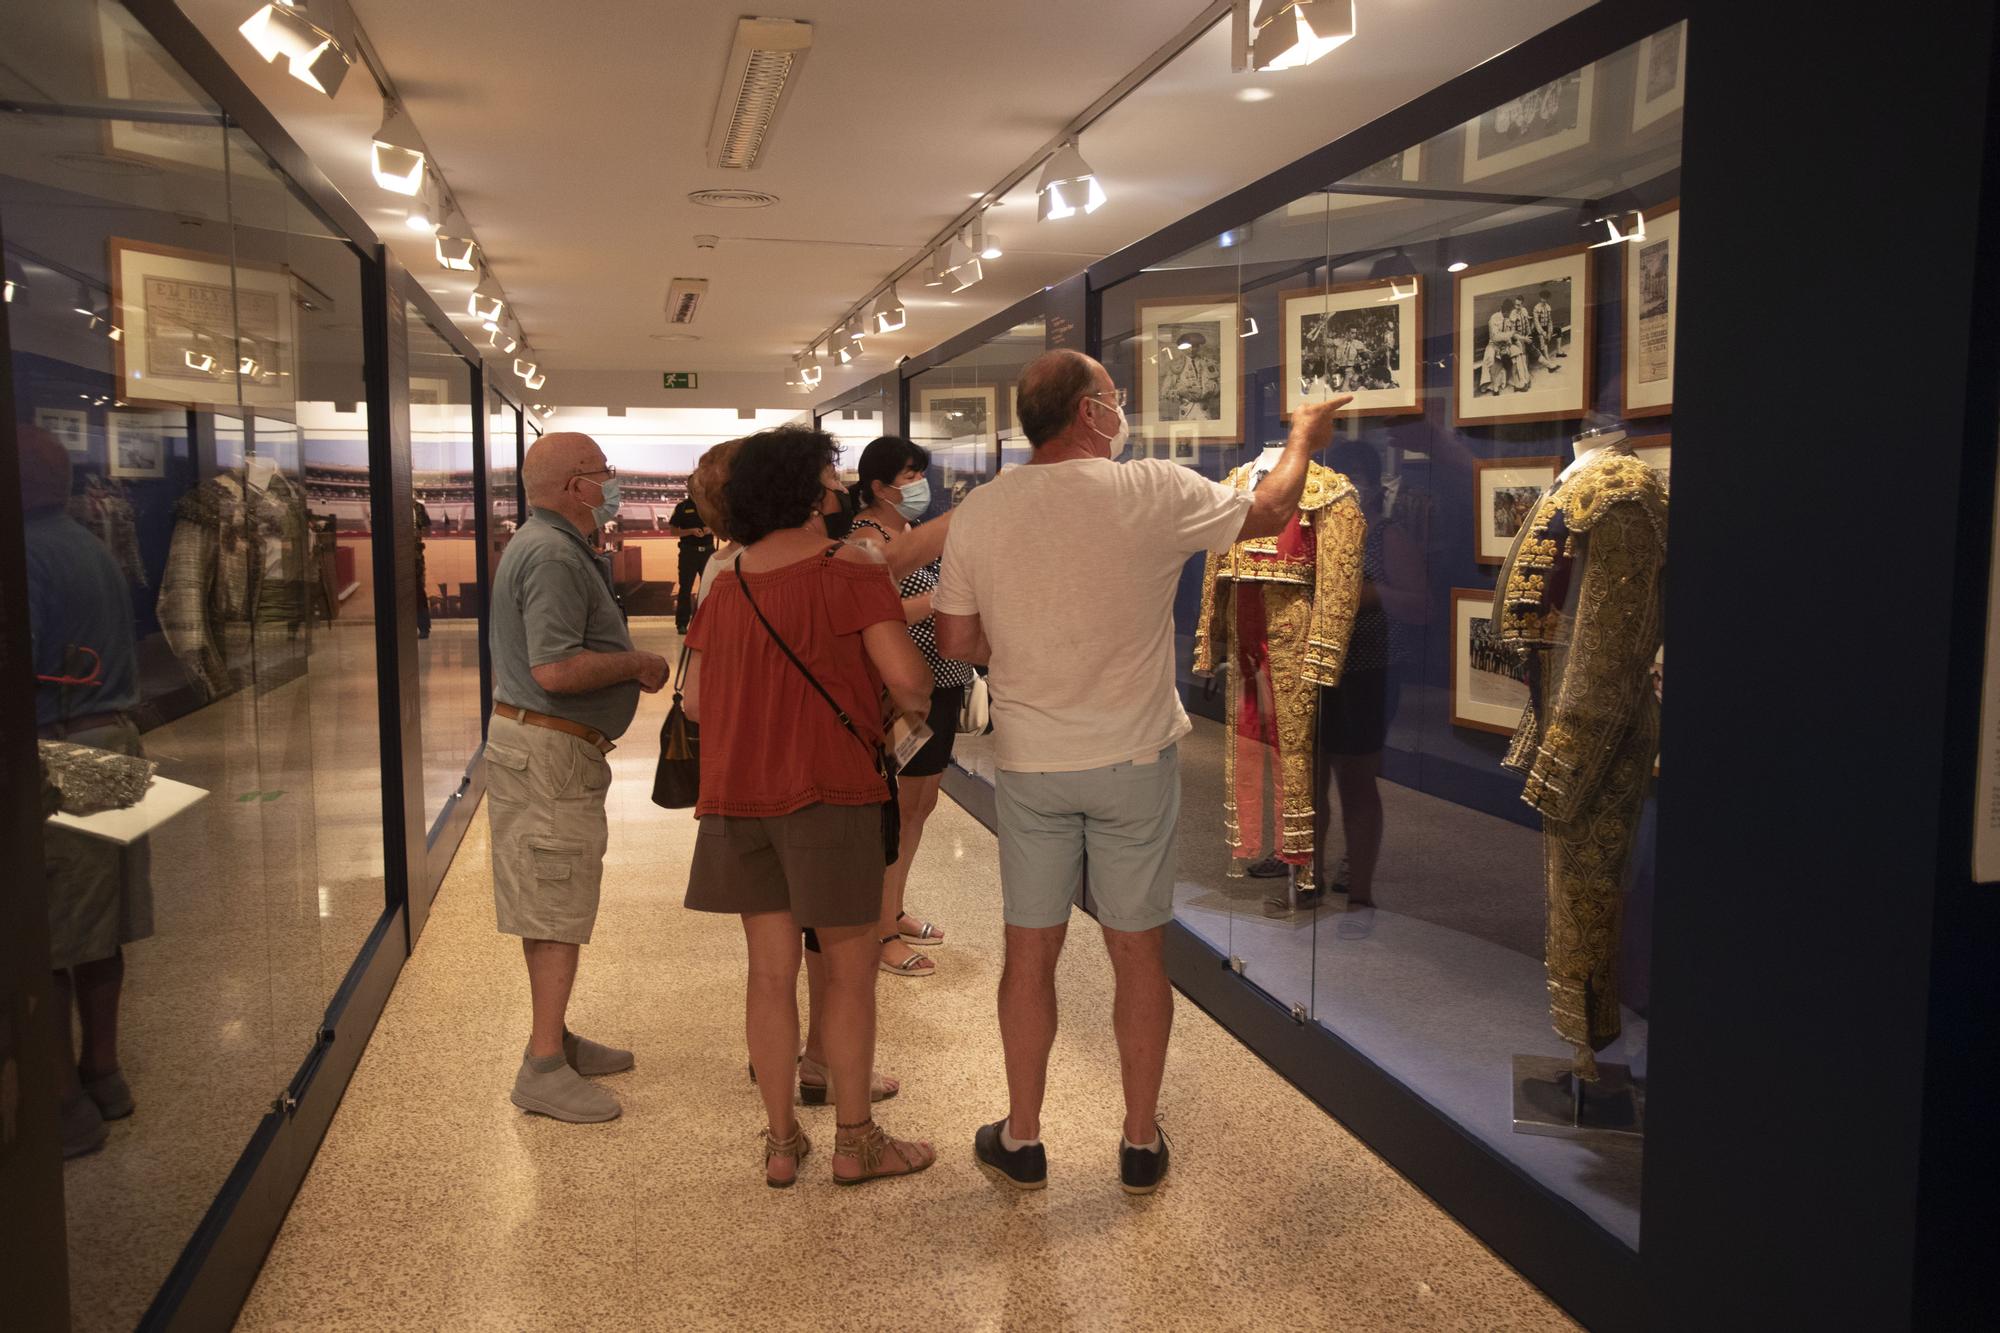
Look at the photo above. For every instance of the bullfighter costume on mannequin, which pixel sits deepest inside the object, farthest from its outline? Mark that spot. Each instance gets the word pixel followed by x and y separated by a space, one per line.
pixel 1282 609
pixel 1580 599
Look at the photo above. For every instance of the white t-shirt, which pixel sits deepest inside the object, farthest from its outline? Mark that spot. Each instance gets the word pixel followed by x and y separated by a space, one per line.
pixel 1071 568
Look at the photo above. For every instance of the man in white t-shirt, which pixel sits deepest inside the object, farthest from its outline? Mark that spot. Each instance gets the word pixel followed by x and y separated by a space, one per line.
pixel 1060 575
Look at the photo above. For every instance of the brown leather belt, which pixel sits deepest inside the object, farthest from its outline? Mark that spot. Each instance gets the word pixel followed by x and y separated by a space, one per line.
pixel 529 717
pixel 69 726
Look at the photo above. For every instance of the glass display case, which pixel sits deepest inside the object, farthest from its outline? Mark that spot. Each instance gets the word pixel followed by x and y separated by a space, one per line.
pixel 187 372
pixel 1418 801
pixel 865 416
pixel 447 570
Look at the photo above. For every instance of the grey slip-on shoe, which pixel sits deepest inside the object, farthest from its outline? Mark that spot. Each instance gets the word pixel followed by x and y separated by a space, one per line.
pixel 83 1128
pixel 593 1059
pixel 112 1094
pixel 562 1094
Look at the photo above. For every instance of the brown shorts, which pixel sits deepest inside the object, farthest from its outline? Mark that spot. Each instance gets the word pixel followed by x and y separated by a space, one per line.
pixel 823 864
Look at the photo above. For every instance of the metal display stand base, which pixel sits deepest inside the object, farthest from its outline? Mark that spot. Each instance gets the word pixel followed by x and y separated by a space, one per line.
pixel 1301 894
pixel 1549 1099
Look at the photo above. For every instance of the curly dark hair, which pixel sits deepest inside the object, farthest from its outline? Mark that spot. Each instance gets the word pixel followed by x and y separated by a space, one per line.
pixel 884 461
pixel 774 480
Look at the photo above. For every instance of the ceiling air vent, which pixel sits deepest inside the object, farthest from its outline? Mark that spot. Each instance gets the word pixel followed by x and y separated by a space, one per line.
pixel 764 61
pixel 684 298
pixel 732 198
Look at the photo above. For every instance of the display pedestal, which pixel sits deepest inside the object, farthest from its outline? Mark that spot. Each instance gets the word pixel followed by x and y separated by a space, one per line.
pixel 1549 1099
pixel 1301 894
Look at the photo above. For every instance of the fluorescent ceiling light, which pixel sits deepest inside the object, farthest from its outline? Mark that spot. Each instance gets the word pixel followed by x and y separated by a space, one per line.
pixel 312 54
pixel 764 60
pixel 398 153
pixel 889 312
pixel 1068 184
pixel 1287 34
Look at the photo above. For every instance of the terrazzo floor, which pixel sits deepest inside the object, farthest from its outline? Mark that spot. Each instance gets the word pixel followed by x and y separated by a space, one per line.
pixel 435 1204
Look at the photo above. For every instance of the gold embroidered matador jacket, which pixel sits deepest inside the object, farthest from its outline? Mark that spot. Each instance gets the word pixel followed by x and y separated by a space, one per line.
pixel 1318 553
pixel 238 555
pixel 1279 612
pixel 1580 597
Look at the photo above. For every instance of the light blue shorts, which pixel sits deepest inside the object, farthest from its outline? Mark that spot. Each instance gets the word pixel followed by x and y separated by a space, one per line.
pixel 1117 823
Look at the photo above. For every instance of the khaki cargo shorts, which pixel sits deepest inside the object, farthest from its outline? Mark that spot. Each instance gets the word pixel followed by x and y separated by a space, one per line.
pixel 545 805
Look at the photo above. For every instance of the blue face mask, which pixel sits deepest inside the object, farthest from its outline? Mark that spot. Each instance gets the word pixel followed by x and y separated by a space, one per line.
pixel 916 499
pixel 607 510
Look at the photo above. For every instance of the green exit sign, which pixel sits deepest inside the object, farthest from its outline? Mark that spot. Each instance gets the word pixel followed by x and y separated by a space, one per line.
pixel 680 379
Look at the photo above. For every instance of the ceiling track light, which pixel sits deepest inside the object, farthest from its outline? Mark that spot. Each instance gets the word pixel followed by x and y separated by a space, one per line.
pixel 314 55
pixel 536 380
pixel 934 274
pixel 486 301
pixel 1286 34
pixel 398 159
pixel 523 368
pixel 890 314
pixel 857 329
pixel 1068 185
pixel 979 241
pixel 424 215
pixel 456 249
pixel 962 266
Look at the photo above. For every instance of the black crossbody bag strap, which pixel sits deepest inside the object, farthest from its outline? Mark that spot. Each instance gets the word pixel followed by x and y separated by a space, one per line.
pixel 786 648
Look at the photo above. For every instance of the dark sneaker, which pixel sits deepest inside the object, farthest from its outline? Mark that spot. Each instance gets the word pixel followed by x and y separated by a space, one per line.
pixel 1140 1170
pixel 1024 1168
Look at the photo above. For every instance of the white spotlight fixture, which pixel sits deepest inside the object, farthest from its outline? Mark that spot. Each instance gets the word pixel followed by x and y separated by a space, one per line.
pixel 889 312
pixel 523 368
pixel 398 154
pixel 980 242
pixel 486 302
pixel 844 347
pixel 962 266
pixel 312 54
pixel 423 215
pixel 1287 34
pixel 934 274
pixel 857 329
pixel 503 340
pixel 1067 185
pixel 456 248
pixel 812 372
pixel 536 380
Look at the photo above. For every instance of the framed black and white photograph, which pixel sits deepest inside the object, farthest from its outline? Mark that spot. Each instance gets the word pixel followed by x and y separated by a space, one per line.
pixel 1523 339
pixel 71 425
pixel 1489 682
pixel 1656 452
pixel 136 443
pixel 1189 369
pixel 956 418
pixel 1360 338
pixel 1551 120
pixel 1507 491
pixel 1652 295
pixel 1662 77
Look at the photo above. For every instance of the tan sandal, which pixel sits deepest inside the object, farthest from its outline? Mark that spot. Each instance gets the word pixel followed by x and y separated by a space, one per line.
pixel 796 1147
pixel 866 1142
pixel 816 1084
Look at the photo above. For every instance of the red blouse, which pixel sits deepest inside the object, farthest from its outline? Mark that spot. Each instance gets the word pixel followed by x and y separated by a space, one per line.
pixel 769 743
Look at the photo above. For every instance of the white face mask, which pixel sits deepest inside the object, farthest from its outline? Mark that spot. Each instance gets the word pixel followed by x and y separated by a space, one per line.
pixel 916 498
pixel 1117 439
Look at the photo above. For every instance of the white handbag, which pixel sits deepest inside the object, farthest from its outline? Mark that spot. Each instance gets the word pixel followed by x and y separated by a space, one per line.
pixel 975 716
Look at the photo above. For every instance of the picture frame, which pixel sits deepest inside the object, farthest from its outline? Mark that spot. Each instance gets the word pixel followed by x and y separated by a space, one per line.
pixel 1652 289
pixel 1188 368
pixel 1660 81
pixel 135 444
pixel 1183 444
pixel 1482 698
pixel 130 69
pixel 1542 123
pixel 1404 168
pixel 195 323
pixel 951 418
pixel 1535 374
pixel 1317 321
pixel 71 425
pixel 1506 491
pixel 1656 452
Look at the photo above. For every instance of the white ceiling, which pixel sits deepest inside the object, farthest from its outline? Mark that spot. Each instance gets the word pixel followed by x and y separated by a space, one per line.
pixel 571 135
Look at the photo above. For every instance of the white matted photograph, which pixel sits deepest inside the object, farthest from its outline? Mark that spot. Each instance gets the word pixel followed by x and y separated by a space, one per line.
pixel 71 425
pixel 1652 293
pixel 136 443
pixel 1189 368
pixel 1662 77
pixel 1362 338
pixel 1522 340
pixel 1551 120
pixel 1508 489
pixel 195 325
pixel 1489 682
pixel 948 418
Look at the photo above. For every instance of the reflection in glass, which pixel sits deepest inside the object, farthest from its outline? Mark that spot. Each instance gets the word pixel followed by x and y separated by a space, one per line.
pixel 443 506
